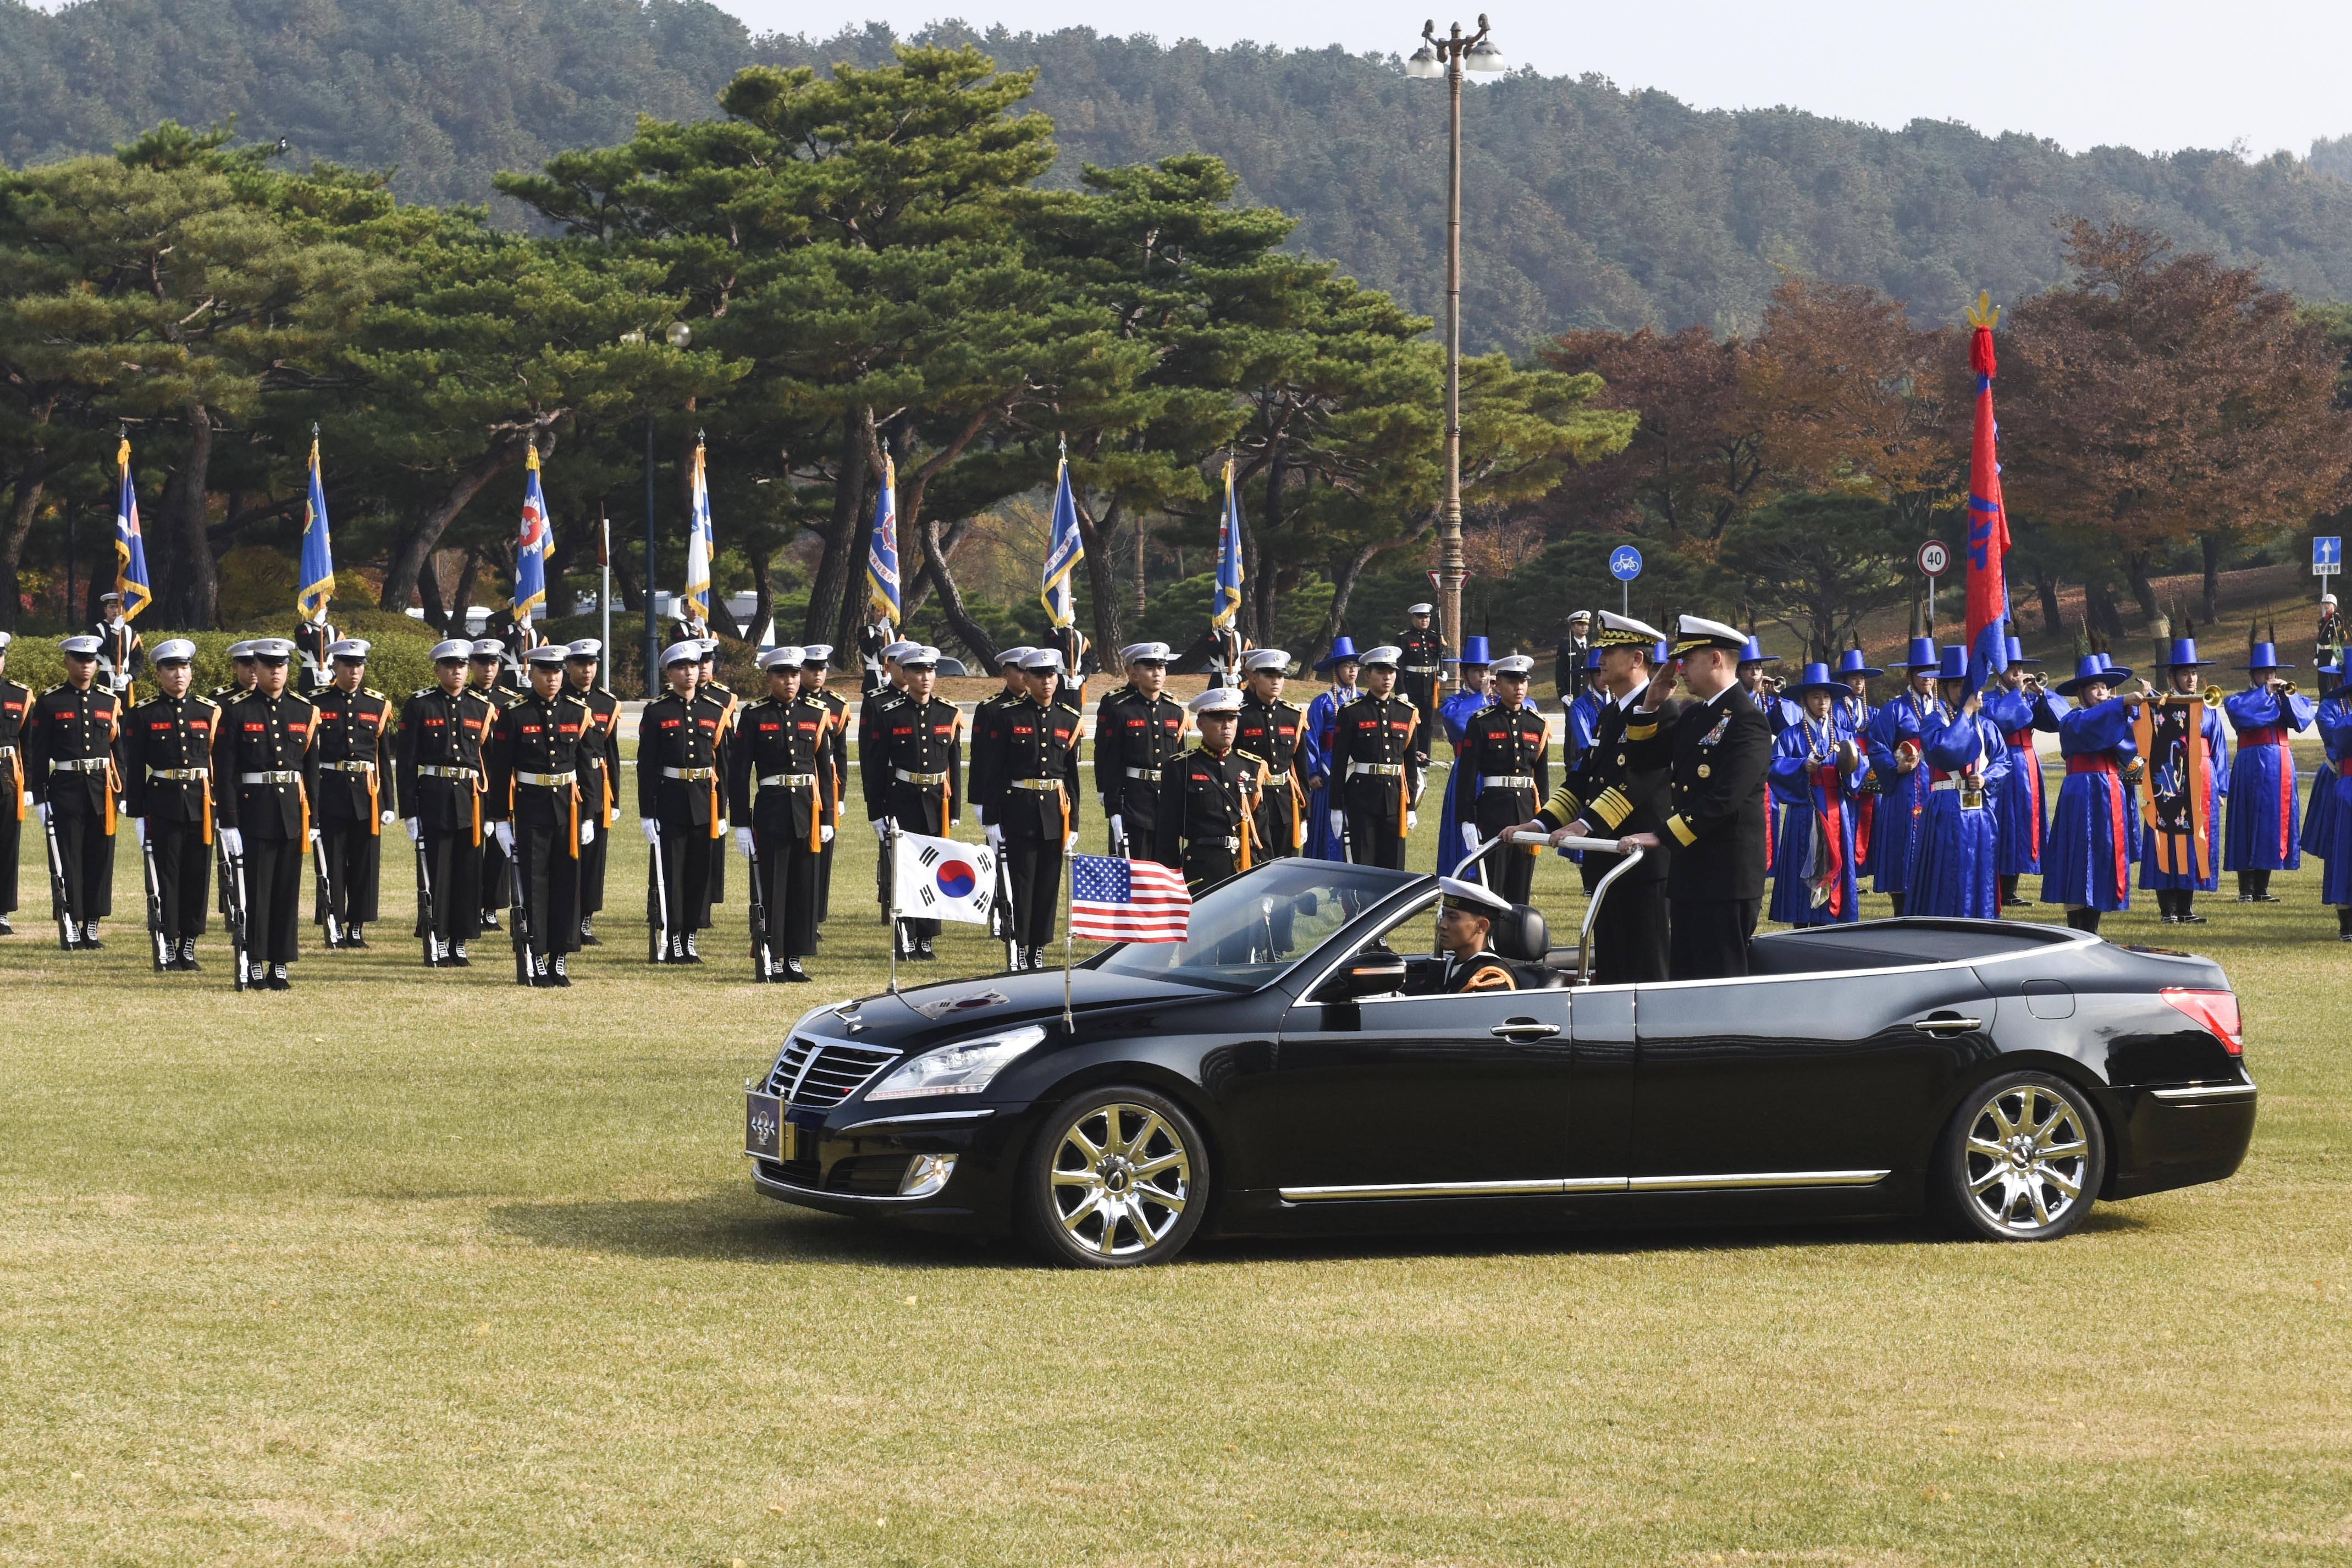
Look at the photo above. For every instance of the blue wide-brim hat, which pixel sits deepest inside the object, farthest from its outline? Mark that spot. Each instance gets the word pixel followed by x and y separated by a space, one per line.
pixel 1850 663
pixel 1592 658
pixel 2182 655
pixel 2016 651
pixel 2092 666
pixel 1341 647
pixel 1954 665
pixel 1754 654
pixel 1815 676
pixel 1474 651
pixel 2264 656
pixel 1921 655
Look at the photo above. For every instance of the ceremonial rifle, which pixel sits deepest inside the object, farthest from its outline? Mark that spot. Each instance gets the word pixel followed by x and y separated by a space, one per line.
pixel 326 889
pixel 657 904
pixel 233 915
pixel 59 909
pixel 154 897
pixel 762 958
pixel 519 922
pixel 425 903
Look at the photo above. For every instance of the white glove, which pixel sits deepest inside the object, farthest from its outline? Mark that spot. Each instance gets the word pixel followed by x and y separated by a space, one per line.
pixel 653 830
pixel 504 833
pixel 1117 828
pixel 314 834
pixel 1469 836
pixel 232 840
pixel 588 830
pixel 416 830
pixel 722 827
pixel 743 842
pixel 1412 820
pixel 1339 824
pixel 1069 843
pixel 139 831
pixel 390 817
pixel 881 825
pixel 993 834
pixel 824 833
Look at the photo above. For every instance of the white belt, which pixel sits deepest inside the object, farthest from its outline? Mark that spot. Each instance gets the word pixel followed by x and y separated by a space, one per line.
pixel 1149 775
pixel 545 781
pixel 691 776
pixel 180 776
pixel 1421 670
pixel 348 767
pixel 1506 781
pixel 1971 795
pixel 80 765
pixel 1385 770
pixel 903 776
pixel 1041 786
pixel 276 776
pixel 431 771
pixel 787 781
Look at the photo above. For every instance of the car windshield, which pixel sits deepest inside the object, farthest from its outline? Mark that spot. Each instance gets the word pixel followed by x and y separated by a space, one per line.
pixel 1245 931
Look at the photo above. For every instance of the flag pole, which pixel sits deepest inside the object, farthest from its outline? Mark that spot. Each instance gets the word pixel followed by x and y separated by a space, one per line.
pixel 890 861
pixel 1069 892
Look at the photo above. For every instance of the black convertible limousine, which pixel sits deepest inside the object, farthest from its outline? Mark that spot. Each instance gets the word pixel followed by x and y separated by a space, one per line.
pixel 1282 1072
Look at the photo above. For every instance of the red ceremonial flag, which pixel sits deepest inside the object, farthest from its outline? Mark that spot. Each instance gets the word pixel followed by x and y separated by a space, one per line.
pixel 1987 520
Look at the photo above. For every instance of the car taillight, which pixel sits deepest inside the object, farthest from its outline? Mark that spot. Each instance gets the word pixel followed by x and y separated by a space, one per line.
pixel 2216 1010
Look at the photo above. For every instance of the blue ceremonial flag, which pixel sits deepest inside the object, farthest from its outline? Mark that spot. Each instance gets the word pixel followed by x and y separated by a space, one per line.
pixel 1227 604
pixel 534 543
pixel 318 549
pixel 130 547
pixel 882 548
pixel 698 544
pixel 1064 549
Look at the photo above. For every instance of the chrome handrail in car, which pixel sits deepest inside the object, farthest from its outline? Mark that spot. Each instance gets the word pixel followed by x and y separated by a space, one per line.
pixel 1632 859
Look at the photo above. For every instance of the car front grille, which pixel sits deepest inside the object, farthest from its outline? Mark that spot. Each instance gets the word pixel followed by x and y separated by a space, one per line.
pixel 821 1073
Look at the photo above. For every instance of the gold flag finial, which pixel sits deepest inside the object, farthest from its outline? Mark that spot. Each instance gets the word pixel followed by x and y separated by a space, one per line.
pixel 1984 312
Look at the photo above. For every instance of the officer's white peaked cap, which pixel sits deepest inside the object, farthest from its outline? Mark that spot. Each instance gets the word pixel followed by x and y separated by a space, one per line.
pixel 1386 654
pixel 86 647
pixel 178 650
pixel 1272 659
pixel 455 647
pixel 786 657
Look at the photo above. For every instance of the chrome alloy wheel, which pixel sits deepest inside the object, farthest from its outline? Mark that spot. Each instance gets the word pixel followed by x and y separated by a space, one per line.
pixel 1120 1179
pixel 2026 1159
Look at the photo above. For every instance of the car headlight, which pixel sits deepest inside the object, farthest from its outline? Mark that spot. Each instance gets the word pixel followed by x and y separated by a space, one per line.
pixel 965 1067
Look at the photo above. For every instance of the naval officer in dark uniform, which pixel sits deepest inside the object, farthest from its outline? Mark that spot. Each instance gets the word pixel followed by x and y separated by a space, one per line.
pixel 1205 828
pixel 165 754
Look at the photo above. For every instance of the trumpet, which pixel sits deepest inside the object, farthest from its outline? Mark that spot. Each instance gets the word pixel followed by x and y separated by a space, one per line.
pixel 2033 683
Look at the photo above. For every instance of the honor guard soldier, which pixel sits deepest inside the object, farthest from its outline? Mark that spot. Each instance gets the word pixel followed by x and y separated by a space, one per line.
pixel 987 733
pixel 1421 659
pixel 914 778
pixel 679 737
pixel 719 691
pixel 532 765
pixel 354 800
pixel 1139 731
pixel 1273 733
pixel 1205 828
pixel 120 651
pixel 599 789
pixel 1567 655
pixel 68 741
pixel 1466 914
pixel 16 798
pixel 166 755
pixel 1375 772
pixel 438 766
pixel 878 701
pixel 486 672
pixel 1033 820
pixel 1718 751
pixel 1504 768
pixel 816 660
pixel 782 745
pixel 242 667
pixel 314 642
pixel 266 760
pixel 1612 792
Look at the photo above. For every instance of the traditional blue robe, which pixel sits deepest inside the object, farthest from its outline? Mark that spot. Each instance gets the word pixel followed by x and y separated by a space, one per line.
pixel 2023 802
pixel 1902 797
pixel 1815 796
pixel 1453 715
pixel 2095 836
pixel 1855 713
pixel 2217 767
pixel 2261 781
pixel 1315 742
pixel 1956 869
pixel 2333 809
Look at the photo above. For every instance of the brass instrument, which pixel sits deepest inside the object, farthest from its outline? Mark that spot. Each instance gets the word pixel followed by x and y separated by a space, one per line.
pixel 1849 755
pixel 2033 683
pixel 2210 697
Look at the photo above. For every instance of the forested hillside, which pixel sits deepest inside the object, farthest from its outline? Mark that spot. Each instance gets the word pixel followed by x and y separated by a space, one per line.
pixel 1587 207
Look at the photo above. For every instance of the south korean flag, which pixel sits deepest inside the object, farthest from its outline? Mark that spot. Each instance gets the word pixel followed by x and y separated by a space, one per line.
pixel 940 879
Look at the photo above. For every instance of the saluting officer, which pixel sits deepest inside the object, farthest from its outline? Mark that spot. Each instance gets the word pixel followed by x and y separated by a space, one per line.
pixel 600 790
pixel 1718 752
pixel 266 759
pixel 1614 793
pixel 782 744
pixel 437 763
pixel 532 765
pixel 678 738
pixel 1273 733
pixel 166 753
pixel 1205 828
pixel 1033 820
pixel 70 733
pixel 817 659
pixel 914 777
pixel 1421 659
pixel 1375 771
pixel 1139 731
pixel 486 673
pixel 1505 767
pixel 16 798
pixel 354 804
pixel 120 651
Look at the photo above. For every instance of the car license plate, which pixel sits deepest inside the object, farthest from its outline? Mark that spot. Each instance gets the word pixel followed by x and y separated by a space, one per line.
pixel 766 1134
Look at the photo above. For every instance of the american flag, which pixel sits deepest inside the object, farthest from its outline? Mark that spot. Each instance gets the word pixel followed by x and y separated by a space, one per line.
pixel 1127 900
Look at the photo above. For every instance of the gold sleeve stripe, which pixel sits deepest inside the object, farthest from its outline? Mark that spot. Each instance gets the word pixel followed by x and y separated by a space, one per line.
pixel 1681 830
pixel 1562 808
pixel 1641 731
pixel 1612 807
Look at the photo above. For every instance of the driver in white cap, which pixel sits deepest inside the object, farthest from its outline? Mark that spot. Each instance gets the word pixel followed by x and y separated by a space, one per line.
pixel 1204 821
pixel 354 804
pixel 167 764
pixel 70 733
pixel 678 738
pixel 438 762
pixel 1466 914
pixel 1139 731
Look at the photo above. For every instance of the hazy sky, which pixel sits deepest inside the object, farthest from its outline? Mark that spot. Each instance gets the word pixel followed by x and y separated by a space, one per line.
pixel 2154 74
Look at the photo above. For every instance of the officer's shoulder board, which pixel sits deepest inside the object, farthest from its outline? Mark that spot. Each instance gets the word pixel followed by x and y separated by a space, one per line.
pixel 371 692
pixel 1491 977
pixel 205 700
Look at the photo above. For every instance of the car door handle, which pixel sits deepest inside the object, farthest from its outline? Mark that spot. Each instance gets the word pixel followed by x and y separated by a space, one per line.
pixel 1523 1029
pixel 1947 1025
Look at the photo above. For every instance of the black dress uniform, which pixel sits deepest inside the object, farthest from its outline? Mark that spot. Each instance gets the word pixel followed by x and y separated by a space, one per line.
pixel 836 762
pixel 1622 794
pixel 1371 751
pixel 491 880
pixel 312 640
pixel 1033 780
pixel 600 793
pixel 16 702
pixel 354 767
pixel 265 773
pixel 715 890
pixel 871 708
pixel 1501 769
pixel 1482 971
pixel 1718 754
pixel 785 749
pixel 677 786
pixel 1204 821
pixel 437 763
pixel 69 742
pixel 1136 739
pixel 1422 662
pixel 120 655
pixel 531 762
pixel 1269 732
pixel 166 755
pixel 913 775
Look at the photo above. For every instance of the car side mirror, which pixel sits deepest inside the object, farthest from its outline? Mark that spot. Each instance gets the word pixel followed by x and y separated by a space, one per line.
pixel 1366 975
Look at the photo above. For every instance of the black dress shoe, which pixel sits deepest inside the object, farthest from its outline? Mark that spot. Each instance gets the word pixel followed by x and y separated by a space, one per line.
pixel 6 929
pixel 590 939
pixel 87 944
pixel 2266 898
pixel 2192 920
pixel 355 941
pixel 279 980
pixel 793 972
pixel 489 919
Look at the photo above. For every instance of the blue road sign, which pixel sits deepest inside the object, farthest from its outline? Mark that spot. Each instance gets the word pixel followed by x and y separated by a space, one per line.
pixel 1624 563
pixel 2327 555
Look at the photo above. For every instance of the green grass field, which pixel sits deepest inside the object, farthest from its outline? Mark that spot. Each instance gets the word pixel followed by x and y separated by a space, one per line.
pixel 410 1267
